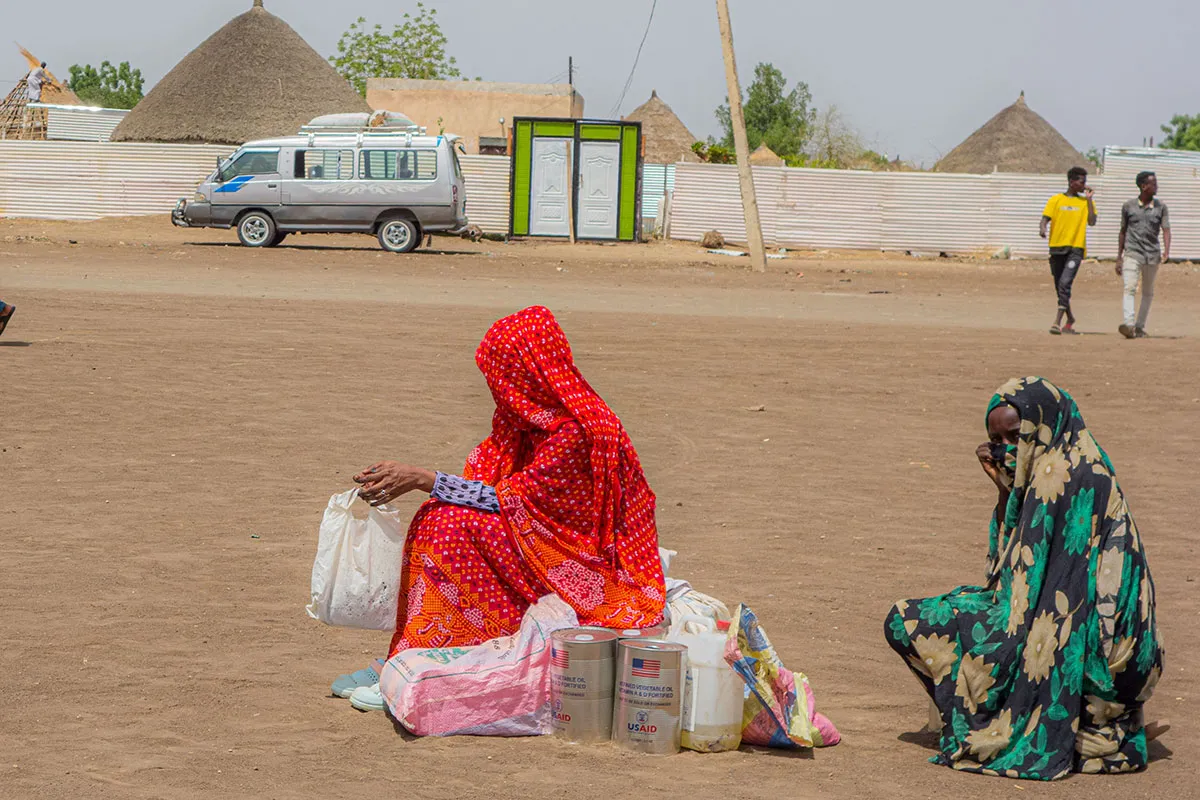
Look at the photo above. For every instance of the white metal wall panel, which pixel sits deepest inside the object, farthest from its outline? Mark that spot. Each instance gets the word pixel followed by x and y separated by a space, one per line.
pixel 826 208
pixel 82 124
pixel 707 197
pixel 933 213
pixel 486 180
pixel 78 180
pixel 658 180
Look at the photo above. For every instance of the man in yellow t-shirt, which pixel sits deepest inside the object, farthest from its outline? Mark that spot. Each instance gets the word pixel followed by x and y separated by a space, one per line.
pixel 1066 218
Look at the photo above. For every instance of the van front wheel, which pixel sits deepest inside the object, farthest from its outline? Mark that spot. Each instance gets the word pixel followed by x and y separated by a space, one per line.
pixel 256 229
pixel 398 235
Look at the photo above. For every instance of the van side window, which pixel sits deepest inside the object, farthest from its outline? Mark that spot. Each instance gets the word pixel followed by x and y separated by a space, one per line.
pixel 252 162
pixel 398 165
pixel 324 165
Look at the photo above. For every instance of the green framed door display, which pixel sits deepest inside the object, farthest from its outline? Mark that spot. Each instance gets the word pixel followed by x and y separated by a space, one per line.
pixel 585 171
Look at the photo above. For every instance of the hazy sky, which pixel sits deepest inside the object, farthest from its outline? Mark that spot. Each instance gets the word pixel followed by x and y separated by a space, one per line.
pixel 914 78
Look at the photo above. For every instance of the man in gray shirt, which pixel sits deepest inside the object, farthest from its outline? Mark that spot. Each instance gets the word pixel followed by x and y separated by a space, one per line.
pixel 1138 253
pixel 34 81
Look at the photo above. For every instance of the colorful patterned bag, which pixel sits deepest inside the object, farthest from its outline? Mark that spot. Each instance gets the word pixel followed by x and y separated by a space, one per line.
pixel 775 714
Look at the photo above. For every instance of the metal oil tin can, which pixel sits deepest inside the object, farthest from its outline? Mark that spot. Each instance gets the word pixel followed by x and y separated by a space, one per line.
pixel 582 678
pixel 650 677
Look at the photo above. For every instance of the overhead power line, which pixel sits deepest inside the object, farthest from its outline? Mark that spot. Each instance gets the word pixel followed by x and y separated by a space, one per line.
pixel 629 80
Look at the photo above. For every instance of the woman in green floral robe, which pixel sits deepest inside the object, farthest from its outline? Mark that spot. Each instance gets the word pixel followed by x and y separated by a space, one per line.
pixel 1043 670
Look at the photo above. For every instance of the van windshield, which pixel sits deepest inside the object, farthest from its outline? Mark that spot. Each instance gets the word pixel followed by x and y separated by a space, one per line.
pixel 251 162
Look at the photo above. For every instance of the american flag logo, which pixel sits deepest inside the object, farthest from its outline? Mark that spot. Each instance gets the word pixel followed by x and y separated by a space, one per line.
pixel 646 668
pixel 560 658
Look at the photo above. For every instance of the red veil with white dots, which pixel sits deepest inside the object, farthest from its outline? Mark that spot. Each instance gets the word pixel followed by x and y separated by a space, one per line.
pixel 576 514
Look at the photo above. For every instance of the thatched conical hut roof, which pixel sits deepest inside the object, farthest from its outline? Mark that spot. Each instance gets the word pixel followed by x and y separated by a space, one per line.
pixel 254 78
pixel 764 156
pixel 667 139
pixel 1017 139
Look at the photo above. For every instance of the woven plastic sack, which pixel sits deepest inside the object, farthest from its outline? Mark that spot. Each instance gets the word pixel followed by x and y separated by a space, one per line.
pixel 356 574
pixel 498 688
pixel 776 714
pixel 683 601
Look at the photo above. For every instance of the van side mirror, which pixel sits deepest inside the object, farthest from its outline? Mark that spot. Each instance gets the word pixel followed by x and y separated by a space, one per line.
pixel 219 178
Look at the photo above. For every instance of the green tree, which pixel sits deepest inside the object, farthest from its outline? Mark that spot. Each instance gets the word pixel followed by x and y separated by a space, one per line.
pixel 774 115
pixel 416 48
pixel 712 153
pixel 1183 133
pixel 109 86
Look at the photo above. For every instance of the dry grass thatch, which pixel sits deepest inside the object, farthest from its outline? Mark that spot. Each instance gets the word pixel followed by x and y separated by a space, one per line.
pixel 667 139
pixel 55 92
pixel 1015 140
pixel 764 156
pixel 253 79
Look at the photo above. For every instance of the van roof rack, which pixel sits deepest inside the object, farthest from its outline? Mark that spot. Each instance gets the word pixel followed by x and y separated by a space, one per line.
pixel 414 130
pixel 377 123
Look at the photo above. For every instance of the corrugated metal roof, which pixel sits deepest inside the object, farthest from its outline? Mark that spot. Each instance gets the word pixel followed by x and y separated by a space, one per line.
pixel 78 180
pixel 80 123
pixel 486 179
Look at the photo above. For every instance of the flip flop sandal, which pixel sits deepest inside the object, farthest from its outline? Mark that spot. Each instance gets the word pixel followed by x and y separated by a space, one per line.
pixel 1055 330
pixel 1069 331
pixel 4 319
pixel 368 698
pixel 345 685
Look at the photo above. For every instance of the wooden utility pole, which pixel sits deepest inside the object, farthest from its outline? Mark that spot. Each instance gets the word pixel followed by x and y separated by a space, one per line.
pixel 741 146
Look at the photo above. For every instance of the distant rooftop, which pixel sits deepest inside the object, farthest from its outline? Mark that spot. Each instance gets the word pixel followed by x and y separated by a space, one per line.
pixel 412 84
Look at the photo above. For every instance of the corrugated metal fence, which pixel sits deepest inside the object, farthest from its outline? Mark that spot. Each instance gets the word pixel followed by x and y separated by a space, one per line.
pixel 82 180
pixel 85 180
pixel 658 180
pixel 817 208
pixel 927 212
pixel 486 180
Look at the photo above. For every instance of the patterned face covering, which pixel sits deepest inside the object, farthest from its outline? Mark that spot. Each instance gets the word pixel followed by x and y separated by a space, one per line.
pixel 1005 455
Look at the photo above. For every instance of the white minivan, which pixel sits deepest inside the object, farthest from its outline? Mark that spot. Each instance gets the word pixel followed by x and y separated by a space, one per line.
pixel 344 173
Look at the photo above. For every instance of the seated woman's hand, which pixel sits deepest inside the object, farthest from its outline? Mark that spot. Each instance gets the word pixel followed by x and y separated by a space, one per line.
pixel 385 481
pixel 984 452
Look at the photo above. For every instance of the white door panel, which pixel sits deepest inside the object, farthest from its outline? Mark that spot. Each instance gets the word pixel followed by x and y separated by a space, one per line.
pixel 599 171
pixel 550 189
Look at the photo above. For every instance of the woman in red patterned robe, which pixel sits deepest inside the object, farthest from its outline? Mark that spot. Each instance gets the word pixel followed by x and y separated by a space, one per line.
pixel 553 501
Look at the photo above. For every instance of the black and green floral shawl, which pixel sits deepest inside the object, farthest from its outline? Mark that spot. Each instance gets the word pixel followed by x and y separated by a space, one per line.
pixel 1043 670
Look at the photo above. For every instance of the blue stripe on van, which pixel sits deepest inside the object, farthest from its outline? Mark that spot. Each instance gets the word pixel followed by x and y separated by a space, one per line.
pixel 235 184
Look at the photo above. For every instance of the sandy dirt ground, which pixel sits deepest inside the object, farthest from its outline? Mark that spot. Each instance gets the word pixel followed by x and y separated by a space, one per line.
pixel 176 413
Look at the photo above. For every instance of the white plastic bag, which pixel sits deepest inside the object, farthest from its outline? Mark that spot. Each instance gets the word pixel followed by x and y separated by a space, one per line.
pixel 356 575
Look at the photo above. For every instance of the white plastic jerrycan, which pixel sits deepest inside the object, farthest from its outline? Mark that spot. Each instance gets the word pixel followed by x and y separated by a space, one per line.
pixel 713 694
